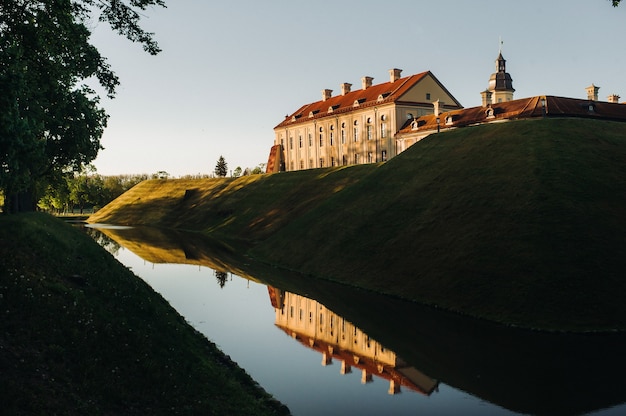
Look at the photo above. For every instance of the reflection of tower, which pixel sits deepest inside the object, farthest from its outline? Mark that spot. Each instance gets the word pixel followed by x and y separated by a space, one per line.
pixel 320 329
pixel 500 83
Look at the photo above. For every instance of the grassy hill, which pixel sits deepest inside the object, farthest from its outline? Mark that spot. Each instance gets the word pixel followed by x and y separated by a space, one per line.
pixel 521 222
pixel 80 334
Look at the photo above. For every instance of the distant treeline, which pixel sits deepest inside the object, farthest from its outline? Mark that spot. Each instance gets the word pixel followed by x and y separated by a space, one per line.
pixel 87 192
pixel 76 193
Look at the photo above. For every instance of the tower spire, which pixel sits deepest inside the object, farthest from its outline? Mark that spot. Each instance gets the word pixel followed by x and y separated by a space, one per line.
pixel 500 82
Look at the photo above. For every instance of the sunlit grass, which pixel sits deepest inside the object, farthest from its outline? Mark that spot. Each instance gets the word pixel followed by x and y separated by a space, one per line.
pixel 521 222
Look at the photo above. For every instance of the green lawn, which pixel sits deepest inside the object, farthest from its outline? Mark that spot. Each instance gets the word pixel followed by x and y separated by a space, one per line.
pixel 522 222
pixel 80 334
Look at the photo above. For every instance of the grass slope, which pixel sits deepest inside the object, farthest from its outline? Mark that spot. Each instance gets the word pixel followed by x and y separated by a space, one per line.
pixel 80 334
pixel 521 222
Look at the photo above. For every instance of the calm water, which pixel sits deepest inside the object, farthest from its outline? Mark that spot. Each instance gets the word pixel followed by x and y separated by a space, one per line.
pixel 370 355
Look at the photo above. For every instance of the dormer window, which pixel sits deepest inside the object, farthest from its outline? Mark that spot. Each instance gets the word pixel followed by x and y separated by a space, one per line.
pixel 355 103
pixel 330 109
pixel 381 97
pixel 490 113
pixel 414 125
pixel 449 120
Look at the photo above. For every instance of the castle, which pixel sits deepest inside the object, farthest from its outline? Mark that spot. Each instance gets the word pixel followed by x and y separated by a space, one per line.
pixel 377 122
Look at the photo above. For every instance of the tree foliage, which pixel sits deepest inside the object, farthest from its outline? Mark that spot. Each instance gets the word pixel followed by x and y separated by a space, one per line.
pixel 50 121
pixel 85 190
pixel 616 3
pixel 221 168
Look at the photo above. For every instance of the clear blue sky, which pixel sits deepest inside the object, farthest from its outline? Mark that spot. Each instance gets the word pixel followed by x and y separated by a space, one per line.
pixel 231 70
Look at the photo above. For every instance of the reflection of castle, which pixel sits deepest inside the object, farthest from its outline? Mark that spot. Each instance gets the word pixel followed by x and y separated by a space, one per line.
pixel 320 329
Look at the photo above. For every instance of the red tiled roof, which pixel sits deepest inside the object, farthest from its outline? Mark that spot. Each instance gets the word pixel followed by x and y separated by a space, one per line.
pixel 520 109
pixel 388 91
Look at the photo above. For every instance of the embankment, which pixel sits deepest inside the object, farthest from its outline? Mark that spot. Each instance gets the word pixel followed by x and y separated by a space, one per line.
pixel 80 334
pixel 522 223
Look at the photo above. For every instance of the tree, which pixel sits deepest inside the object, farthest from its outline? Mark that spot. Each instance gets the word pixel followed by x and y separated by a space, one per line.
pixel 237 172
pixel 221 278
pixel 221 168
pixel 616 3
pixel 50 121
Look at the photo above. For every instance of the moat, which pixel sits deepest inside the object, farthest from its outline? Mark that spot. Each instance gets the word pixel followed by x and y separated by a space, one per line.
pixel 360 353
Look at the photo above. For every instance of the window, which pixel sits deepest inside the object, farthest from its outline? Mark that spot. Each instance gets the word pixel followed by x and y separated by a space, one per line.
pixel 370 159
pixel 332 135
pixel 356 134
pixel 356 158
pixel 332 161
pixel 383 155
pixel 344 160
pixel 428 96
pixel 321 162
pixel 369 132
pixel 301 164
pixel 311 163
pixel 310 140
pixel 343 135
pixel 383 130
pixel 300 140
pixel 321 136
pixel 290 142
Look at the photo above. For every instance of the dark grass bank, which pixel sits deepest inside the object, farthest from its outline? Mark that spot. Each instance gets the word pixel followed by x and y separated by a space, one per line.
pixel 80 334
pixel 522 223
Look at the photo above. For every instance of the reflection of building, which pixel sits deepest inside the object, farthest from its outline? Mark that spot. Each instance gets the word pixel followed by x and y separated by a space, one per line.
pixel 320 329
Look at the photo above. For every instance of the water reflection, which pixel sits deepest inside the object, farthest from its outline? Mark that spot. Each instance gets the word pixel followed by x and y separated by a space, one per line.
pixel 320 329
pixel 523 371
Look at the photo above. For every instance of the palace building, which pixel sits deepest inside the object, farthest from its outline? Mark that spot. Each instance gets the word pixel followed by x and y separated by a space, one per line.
pixel 356 126
pixel 377 122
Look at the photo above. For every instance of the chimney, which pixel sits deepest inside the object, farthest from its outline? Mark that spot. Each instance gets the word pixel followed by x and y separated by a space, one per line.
pixel 345 88
pixel 486 98
pixel 394 74
pixel 366 82
pixel 614 98
pixel 438 106
pixel 592 92
pixel 326 94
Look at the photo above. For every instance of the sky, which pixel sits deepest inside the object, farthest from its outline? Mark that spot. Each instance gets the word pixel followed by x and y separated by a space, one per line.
pixel 231 70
